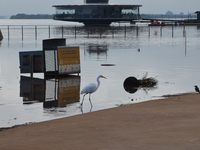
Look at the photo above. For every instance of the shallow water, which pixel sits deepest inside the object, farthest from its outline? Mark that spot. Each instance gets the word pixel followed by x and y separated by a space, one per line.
pixel 173 61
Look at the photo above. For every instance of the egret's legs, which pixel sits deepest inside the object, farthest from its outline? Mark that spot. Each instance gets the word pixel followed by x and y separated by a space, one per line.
pixel 83 99
pixel 90 100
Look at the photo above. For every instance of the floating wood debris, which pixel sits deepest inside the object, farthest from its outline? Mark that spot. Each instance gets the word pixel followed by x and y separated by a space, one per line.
pixel 107 64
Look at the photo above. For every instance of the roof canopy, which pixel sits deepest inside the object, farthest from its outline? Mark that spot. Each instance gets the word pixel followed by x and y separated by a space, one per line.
pixel 95 4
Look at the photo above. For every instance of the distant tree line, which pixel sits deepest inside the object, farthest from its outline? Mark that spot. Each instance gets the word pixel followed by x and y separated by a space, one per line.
pixel 170 14
pixel 2 17
pixel 148 16
pixel 37 16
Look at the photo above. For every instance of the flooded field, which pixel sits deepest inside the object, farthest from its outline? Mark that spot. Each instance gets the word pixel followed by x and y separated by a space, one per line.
pixel 169 56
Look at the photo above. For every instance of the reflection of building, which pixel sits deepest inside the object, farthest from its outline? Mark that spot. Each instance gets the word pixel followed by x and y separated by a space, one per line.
pixel 32 90
pixel 96 51
pixel 198 15
pixel 97 12
pixel 53 92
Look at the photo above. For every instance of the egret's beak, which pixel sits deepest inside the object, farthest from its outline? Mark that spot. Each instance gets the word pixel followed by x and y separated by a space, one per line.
pixel 104 77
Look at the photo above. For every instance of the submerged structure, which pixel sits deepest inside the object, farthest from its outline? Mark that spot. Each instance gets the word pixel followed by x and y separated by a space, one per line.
pixel 97 12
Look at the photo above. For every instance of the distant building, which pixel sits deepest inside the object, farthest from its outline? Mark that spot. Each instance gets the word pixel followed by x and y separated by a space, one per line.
pixel 97 12
pixel 198 15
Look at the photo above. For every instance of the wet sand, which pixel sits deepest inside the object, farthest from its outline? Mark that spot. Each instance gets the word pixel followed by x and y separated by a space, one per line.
pixel 167 124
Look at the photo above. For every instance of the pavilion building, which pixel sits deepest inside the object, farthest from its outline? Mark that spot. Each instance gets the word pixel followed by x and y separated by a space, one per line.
pixel 97 12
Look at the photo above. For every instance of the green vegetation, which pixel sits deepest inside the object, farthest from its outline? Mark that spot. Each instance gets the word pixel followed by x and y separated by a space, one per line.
pixel 26 16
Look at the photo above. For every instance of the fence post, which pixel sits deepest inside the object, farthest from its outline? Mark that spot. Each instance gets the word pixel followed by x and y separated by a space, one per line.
pixel 149 30
pixel 49 32
pixel 75 32
pixel 62 32
pixel 22 34
pixel 8 33
pixel 137 30
pixel 161 30
pixel 125 31
pixel 113 32
pixel 35 32
pixel 184 31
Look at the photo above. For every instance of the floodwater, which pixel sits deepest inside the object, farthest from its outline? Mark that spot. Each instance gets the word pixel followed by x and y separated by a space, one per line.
pixel 117 52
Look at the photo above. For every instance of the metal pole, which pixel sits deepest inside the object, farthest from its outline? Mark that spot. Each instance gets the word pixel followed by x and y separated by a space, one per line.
pixel 62 32
pixel 75 32
pixel 149 30
pixel 185 42
pixel 125 31
pixel 22 33
pixel 161 30
pixel 184 31
pixel 113 32
pixel 49 32
pixel 35 32
pixel 137 29
pixel 172 30
pixel 8 33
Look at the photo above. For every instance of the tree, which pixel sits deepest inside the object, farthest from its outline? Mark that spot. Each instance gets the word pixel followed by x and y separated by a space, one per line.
pixel 169 13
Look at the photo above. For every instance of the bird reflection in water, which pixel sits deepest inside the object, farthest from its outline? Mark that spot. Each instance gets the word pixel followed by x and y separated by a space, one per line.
pixel 91 88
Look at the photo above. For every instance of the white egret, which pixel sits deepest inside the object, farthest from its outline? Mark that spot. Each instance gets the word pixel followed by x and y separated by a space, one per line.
pixel 91 88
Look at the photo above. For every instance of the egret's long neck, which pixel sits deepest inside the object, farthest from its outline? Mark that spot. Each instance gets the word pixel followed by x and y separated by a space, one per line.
pixel 98 83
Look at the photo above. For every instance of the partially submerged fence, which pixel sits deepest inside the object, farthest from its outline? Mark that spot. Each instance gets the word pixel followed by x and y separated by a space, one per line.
pixel 49 31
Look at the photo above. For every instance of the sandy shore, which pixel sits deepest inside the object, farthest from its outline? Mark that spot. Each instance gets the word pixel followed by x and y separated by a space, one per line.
pixel 167 124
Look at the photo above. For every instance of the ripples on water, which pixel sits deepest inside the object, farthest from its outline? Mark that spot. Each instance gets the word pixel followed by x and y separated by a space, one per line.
pixel 173 61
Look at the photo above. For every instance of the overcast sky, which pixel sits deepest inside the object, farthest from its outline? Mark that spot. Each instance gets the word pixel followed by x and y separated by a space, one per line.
pixel 13 7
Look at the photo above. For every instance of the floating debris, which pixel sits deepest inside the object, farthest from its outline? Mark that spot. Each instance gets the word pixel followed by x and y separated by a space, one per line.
pixel 155 33
pixel 107 64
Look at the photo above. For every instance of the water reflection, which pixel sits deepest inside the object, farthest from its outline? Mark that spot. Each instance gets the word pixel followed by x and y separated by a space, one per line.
pixel 96 51
pixel 132 84
pixel 97 32
pixel 52 92
pixel 32 90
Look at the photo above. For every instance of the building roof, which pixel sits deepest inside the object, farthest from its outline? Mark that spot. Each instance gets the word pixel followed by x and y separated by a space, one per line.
pixel 97 4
